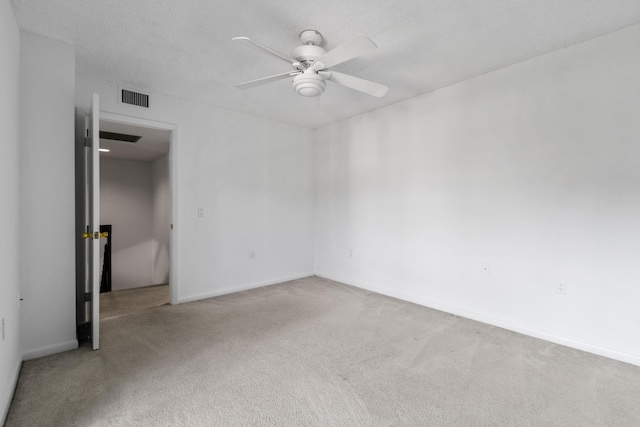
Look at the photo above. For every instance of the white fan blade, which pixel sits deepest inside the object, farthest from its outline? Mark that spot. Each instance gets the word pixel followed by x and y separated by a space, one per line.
pixel 356 83
pixel 258 82
pixel 255 45
pixel 357 46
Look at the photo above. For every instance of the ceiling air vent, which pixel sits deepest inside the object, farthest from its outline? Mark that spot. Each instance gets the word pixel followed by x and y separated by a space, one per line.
pixel 119 136
pixel 134 98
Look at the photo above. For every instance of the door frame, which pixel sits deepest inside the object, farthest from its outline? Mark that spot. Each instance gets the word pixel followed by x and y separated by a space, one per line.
pixel 173 187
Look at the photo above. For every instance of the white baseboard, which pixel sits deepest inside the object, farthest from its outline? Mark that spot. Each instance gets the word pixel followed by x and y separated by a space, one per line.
pixel 232 289
pixel 13 383
pixel 633 359
pixel 50 349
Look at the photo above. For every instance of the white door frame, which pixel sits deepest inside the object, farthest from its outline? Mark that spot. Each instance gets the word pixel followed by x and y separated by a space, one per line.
pixel 173 187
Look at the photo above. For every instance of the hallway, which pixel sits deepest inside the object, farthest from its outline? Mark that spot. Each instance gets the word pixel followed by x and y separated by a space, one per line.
pixel 130 301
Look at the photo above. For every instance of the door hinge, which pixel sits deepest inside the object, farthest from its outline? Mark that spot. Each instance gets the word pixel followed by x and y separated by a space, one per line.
pixel 87 296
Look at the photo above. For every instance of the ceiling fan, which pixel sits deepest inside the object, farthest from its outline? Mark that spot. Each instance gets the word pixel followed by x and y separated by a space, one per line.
pixel 311 65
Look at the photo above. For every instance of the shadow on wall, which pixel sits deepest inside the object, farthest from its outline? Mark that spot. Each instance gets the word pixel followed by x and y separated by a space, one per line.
pixel 160 262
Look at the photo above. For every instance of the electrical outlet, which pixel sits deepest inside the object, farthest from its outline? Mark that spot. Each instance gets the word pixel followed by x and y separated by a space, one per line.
pixel 200 212
pixel 252 255
pixel 562 288
pixel 350 253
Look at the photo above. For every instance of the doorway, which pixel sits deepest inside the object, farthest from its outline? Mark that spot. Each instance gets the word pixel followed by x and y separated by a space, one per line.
pixel 136 203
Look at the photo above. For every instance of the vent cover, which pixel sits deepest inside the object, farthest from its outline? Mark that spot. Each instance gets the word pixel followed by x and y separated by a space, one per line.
pixel 119 136
pixel 134 98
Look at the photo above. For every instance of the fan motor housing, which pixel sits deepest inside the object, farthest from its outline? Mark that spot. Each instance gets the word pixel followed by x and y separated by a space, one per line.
pixel 307 53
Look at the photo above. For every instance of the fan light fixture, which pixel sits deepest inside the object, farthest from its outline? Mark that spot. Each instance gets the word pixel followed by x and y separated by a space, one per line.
pixel 309 84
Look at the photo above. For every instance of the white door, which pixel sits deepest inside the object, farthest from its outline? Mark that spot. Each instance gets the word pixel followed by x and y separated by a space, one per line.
pixel 93 178
pixel 88 224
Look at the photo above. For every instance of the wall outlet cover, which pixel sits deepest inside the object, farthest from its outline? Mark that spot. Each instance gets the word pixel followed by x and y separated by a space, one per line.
pixel 486 269
pixel 561 288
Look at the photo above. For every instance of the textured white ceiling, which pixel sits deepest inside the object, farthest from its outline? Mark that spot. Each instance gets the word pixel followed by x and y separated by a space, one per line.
pixel 184 47
pixel 152 145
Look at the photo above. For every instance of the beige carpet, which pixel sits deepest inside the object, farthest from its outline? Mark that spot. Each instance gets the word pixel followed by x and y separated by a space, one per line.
pixel 129 301
pixel 314 352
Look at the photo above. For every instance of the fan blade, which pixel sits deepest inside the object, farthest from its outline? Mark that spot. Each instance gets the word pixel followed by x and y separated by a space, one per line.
pixel 262 48
pixel 356 83
pixel 357 46
pixel 258 82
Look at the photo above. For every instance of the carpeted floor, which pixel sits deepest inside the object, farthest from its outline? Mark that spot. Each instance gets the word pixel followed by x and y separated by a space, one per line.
pixel 314 352
pixel 129 301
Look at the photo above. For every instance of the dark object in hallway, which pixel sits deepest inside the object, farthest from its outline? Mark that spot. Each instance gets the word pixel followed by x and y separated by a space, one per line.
pixel 105 281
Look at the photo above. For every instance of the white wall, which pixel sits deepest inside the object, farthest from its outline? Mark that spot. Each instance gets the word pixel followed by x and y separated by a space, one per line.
pixel 161 219
pixel 254 179
pixel 126 202
pixel 531 170
pixel 10 356
pixel 47 260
